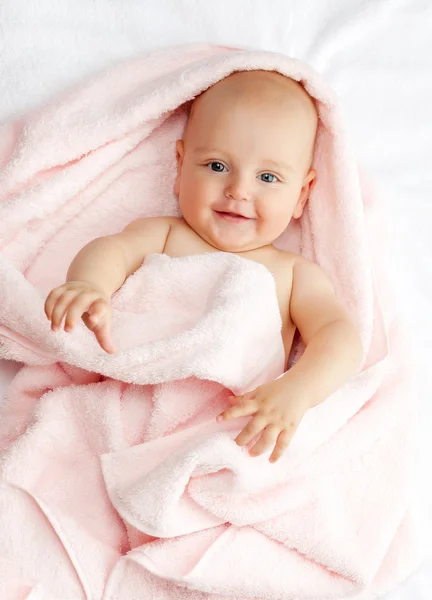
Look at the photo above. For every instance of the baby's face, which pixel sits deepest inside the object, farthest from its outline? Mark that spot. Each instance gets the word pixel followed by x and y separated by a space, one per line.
pixel 244 164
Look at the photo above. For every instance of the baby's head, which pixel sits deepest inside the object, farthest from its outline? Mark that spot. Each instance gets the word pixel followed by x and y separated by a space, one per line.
pixel 247 150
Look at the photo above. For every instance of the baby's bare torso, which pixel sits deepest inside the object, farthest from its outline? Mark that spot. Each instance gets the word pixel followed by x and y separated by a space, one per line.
pixel 183 241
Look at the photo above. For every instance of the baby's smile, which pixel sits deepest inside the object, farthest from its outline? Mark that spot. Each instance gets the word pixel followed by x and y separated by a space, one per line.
pixel 232 216
pixel 232 219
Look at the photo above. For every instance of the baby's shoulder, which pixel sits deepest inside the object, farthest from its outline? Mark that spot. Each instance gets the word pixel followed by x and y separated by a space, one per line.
pixel 285 260
pixel 288 266
pixel 144 223
pixel 148 235
pixel 297 261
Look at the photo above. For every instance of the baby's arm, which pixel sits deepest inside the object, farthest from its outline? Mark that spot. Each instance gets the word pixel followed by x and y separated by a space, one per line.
pixel 333 354
pixel 333 346
pixel 106 262
pixel 98 270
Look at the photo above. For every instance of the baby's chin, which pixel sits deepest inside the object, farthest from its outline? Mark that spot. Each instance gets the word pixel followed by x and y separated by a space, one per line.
pixel 233 242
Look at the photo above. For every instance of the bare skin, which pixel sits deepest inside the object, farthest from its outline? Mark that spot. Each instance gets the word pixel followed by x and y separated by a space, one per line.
pixel 244 171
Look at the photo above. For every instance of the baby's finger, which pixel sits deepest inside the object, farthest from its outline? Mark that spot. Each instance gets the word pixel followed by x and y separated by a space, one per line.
pixel 266 441
pixel 60 308
pixel 97 311
pixel 243 398
pixel 242 409
pixel 255 425
pixel 78 307
pixel 52 298
pixel 284 440
pixel 103 336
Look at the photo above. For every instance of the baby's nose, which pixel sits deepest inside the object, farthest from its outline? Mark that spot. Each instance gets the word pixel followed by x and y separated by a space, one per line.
pixel 237 189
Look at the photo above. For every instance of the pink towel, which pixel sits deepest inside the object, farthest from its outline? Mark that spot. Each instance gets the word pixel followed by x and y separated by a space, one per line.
pixel 116 482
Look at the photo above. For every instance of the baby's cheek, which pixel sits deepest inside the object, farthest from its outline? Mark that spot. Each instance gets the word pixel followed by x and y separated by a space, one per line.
pixel 209 191
pixel 273 213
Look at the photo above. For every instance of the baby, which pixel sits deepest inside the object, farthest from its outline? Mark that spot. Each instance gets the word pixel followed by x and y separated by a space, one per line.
pixel 244 171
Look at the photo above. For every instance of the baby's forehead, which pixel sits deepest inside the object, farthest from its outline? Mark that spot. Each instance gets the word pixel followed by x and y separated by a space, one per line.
pixel 256 89
pixel 281 105
pixel 260 80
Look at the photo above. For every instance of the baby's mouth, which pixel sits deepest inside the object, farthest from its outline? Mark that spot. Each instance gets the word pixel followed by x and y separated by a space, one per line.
pixel 231 216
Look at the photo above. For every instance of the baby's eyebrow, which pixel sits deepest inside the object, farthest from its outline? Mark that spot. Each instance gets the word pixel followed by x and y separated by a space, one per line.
pixel 205 149
pixel 279 165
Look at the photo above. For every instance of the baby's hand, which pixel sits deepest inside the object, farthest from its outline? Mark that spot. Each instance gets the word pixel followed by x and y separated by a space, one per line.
pixel 278 408
pixel 76 299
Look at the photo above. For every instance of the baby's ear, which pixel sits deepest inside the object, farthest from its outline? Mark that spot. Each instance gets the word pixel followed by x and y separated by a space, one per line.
pixel 179 151
pixel 179 155
pixel 308 184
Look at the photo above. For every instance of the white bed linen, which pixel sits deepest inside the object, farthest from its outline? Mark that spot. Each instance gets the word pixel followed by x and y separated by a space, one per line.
pixel 376 54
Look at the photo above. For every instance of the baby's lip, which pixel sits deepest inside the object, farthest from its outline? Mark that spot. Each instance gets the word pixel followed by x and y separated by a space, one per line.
pixel 233 213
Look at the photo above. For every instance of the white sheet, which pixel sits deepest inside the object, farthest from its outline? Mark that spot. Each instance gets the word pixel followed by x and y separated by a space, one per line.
pixel 376 54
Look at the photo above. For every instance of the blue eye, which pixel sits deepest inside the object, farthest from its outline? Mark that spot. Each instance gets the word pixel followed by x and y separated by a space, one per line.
pixel 267 175
pixel 216 166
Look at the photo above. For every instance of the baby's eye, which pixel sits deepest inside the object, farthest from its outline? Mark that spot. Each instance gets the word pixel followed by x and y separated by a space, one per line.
pixel 266 177
pixel 216 166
